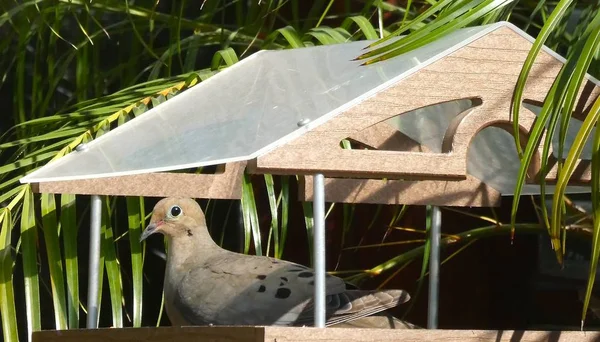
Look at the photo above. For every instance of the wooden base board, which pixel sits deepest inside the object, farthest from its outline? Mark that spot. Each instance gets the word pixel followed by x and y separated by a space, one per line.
pixel 279 334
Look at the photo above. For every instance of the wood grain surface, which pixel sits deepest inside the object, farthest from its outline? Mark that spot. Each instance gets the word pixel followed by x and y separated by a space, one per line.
pixel 226 185
pixel 280 334
pixel 468 193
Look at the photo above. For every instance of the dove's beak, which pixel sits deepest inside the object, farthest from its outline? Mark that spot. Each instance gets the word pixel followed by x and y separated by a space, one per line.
pixel 151 229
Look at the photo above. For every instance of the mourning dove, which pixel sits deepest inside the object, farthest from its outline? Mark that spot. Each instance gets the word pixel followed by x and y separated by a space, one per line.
pixel 208 285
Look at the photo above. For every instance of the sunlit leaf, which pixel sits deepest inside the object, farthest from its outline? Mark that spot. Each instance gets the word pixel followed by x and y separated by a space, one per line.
pixel 250 216
pixel 595 255
pixel 55 261
pixel 309 222
pixel 550 24
pixel 135 214
pixel 570 163
pixel 68 227
pixel 290 35
pixel 365 27
pixel 269 184
pixel 285 205
pixel 7 304
pixel 29 240
pixel 460 17
pixel 227 55
pixel 113 272
pixel 415 22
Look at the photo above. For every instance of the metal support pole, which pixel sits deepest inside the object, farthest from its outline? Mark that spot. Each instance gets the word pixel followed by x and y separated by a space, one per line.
pixel 94 263
pixel 434 268
pixel 319 249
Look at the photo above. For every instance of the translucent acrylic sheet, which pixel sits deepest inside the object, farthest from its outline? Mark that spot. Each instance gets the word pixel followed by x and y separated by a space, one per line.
pixel 493 158
pixel 501 170
pixel 246 110
pixel 492 155
pixel 428 125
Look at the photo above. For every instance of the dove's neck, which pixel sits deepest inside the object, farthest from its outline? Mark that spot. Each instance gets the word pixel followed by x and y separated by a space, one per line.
pixel 186 249
pixel 183 253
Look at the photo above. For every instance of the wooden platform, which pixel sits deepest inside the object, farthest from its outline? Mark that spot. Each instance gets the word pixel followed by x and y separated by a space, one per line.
pixel 278 334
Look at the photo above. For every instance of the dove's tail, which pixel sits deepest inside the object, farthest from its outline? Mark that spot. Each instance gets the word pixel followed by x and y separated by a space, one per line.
pixel 354 304
pixel 380 320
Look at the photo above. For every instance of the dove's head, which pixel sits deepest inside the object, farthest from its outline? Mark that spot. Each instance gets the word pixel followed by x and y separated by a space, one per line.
pixel 176 217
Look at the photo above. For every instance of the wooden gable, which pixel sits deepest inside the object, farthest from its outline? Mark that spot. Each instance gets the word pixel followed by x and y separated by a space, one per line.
pixel 485 70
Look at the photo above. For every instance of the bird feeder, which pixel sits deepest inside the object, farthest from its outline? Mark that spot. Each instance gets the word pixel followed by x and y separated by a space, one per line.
pixel 429 127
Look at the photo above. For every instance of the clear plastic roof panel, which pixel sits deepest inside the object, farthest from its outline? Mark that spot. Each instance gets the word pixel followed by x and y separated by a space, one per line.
pixel 246 110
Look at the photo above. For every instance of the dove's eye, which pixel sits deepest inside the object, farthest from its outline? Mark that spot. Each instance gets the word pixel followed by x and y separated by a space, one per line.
pixel 175 212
